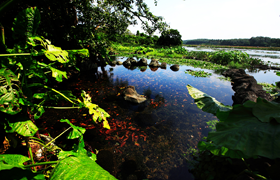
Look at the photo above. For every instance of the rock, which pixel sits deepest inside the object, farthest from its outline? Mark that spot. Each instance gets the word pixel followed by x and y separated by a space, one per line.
pixel 130 62
pixel 245 87
pixel 113 63
pixel 175 67
pixel 127 63
pixel 163 65
pixel 131 95
pixel 154 63
pixel 119 63
pixel 154 69
pixel 142 62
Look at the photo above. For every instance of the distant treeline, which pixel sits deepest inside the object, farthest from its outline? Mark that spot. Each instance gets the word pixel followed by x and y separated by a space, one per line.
pixel 253 41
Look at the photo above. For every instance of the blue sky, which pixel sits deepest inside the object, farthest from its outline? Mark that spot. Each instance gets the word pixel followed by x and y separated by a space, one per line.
pixel 219 19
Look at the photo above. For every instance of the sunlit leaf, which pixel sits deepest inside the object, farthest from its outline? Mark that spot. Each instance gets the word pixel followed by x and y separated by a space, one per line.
pixel 206 102
pixel 76 131
pixel 23 127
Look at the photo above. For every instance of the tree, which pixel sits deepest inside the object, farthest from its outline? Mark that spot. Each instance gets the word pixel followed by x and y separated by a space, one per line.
pixel 87 23
pixel 170 37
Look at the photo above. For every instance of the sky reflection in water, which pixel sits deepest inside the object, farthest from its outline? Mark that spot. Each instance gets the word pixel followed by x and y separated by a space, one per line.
pixel 172 127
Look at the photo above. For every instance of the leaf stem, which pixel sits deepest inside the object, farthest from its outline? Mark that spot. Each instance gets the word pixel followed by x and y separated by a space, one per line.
pixel 18 54
pixel 60 94
pixel 42 163
pixel 57 137
pixel 61 107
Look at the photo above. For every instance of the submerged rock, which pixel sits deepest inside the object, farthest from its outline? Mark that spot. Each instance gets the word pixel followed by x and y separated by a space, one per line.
pixel 245 87
pixel 175 67
pixel 163 65
pixel 131 95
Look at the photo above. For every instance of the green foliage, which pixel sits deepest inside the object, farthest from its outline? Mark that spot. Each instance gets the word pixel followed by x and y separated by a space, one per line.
pixel 79 167
pixel 19 73
pixel 270 88
pixel 253 41
pixel 226 57
pixel 199 73
pixel 26 23
pixel 170 37
pixel 212 124
pixel 9 92
pixel 11 167
pixel 251 128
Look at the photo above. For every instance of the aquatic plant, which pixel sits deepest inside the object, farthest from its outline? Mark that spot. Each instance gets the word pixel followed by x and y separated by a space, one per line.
pixel 243 131
pixel 200 73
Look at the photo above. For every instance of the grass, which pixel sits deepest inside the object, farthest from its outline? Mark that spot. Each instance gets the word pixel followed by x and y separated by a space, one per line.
pixel 229 59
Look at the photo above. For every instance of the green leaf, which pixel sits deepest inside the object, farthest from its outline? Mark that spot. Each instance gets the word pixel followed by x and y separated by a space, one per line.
pixel 13 160
pixel 278 73
pixel 98 113
pixel 9 96
pixel 206 102
pixel 56 54
pixel 11 167
pixel 37 111
pixel 239 129
pixel 76 132
pixel 23 127
pixel 83 52
pixel 57 74
pixel 264 110
pixel 39 95
pixel 78 168
pixel 26 23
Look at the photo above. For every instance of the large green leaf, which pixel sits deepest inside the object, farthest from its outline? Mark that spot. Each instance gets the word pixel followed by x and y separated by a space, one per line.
pixel 206 102
pixel 56 54
pixel 11 167
pixel 26 23
pixel 220 150
pixel 239 129
pixel 9 96
pixel 78 168
pixel 264 110
pixel 23 127
pixel 52 52
pixel 12 160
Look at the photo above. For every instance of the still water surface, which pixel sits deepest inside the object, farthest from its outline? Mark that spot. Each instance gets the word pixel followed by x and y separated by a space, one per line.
pixel 152 140
pixel 267 56
pixel 169 124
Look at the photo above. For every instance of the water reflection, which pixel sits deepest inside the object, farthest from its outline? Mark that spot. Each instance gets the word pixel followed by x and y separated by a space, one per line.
pixel 159 131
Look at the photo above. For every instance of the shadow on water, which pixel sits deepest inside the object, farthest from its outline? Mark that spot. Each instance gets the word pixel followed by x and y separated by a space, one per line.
pixel 147 140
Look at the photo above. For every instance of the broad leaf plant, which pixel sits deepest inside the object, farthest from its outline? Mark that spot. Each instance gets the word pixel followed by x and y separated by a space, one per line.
pixel 19 73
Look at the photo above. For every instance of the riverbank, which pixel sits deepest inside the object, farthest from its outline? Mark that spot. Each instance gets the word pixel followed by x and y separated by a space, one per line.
pixel 237 47
pixel 180 55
